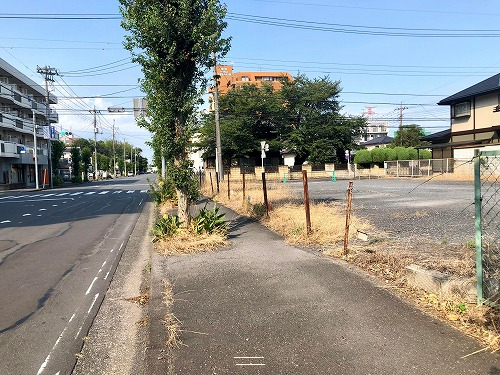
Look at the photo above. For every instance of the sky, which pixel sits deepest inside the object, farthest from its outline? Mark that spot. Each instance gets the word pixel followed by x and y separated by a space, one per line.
pixel 387 54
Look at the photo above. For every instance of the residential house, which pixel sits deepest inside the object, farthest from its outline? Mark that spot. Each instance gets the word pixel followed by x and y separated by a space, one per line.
pixel 23 104
pixel 474 121
pixel 378 142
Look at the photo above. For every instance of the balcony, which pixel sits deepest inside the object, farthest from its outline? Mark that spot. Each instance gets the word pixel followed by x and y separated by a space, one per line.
pixel 11 95
pixel 9 150
pixel 53 116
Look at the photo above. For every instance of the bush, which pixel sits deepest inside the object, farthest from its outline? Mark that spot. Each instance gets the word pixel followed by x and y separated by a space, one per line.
pixel 76 179
pixel 162 191
pixel 210 221
pixel 363 157
pixel 390 154
pixel 412 153
pixel 58 181
pixel 379 155
pixel 425 154
pixel 402 153
pixel 166 226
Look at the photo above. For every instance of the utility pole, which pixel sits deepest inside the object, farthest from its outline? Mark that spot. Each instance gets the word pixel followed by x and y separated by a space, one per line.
pixel 218 146
pixel 35 150
pixel 48 74
pixel 114 152
pixel 124 155
pixel 131 157
pixel 95 142
pixel 400 130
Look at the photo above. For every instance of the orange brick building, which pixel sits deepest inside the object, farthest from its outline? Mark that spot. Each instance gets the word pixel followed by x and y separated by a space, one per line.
pixel 231 80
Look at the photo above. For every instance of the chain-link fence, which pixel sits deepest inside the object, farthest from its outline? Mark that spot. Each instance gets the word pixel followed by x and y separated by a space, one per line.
pixel 487 218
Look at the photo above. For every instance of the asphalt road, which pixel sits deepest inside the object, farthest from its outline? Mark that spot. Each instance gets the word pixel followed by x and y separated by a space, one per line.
pixel 58 252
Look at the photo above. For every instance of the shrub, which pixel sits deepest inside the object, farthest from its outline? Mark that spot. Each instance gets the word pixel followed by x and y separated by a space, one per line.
pixel 402 153
pixel 412 153
pixel 379 155
pixel 425 154
pixel 390 154
pixel 166 226
pixel 76 179
pixel 58 181
pixel 363 157
pixel 210 221
pixel 162 191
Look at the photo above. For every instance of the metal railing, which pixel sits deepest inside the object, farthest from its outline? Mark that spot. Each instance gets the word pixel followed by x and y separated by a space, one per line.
pixel 428 167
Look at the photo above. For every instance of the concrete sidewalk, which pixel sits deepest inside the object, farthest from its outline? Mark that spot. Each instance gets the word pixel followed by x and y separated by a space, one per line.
pixel 264 307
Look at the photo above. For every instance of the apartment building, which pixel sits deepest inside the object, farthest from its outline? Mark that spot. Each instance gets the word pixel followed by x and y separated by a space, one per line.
pixel 231 80
pixel 24 112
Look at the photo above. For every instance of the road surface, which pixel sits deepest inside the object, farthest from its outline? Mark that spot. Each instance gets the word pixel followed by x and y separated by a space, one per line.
pixel 58 252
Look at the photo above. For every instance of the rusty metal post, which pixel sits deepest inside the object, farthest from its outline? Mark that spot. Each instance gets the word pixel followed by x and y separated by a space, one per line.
pixel 264 188
pixel 211 183
pixel 347 218
pixel 306 202
pixel 228 186
pixel 244 192
pixel 217 178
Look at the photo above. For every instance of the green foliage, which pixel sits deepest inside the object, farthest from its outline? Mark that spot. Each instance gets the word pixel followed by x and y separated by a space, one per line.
pixel 58 181
pixel 75 163
pixel 363 157
pixel 173 42
pixel 86 158
pixel 76 179
pixel 402 153
pixel 390 154
pixel 408 136
pixel 57 150
pixel 379 155
pixel 258 210
pixel 210 221
pixel 303 116
pixel 425 154
pixel 162 191
pixel 166 226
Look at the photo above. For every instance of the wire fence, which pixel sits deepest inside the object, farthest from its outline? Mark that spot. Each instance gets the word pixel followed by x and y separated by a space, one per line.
pixel 487 222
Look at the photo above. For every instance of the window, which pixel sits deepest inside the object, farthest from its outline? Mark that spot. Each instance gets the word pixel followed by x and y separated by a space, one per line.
pixel 245 79
pixel 460 110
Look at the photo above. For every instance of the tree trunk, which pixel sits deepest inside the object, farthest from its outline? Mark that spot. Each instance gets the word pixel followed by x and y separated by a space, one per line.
pixel 182 208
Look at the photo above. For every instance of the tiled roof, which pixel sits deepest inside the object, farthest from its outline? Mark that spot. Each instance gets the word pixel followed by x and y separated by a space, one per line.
pixel 487 86
pixel 382 140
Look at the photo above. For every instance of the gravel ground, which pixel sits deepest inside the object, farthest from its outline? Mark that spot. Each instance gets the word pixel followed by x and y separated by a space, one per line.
pixel 407 209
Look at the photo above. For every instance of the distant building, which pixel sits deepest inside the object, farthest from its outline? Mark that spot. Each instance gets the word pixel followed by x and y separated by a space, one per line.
pixel 20 99
pixel 474 121
pixel 374 129
pixel 379 142
pixel 232 80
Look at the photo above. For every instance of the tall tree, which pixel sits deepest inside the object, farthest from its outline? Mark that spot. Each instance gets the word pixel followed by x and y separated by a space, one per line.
pixel 76 158
pixel 315 129
pixel 173 41
pixel 408 136
pixel 57 148
pixel 86 159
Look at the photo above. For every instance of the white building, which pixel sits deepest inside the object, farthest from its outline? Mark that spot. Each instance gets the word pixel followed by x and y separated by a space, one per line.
pixel 20 98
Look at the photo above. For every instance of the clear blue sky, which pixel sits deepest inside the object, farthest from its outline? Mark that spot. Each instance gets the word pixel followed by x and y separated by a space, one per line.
pixel 383 52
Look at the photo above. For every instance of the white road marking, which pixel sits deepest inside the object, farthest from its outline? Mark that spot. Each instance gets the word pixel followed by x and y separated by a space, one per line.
pixel 144 191
pixel 117 192
pixel 86 316
pixel 104 192
pixel 46 362
pixel 42 209
pixel 77 193
pixel 91 285
pixel 27 215
pixel 49 195
pixel 90 193
pixel 61 195
pixel 54 205
pixel 5 222
pixel 130 191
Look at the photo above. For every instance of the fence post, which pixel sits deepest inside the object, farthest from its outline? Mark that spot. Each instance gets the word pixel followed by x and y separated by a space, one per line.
pixel 478 226
pixel 264 188
pixel 217 177
pixel 397 168
pixel 306 202
pixel 244 193
pixel 228 185
pixel 211 183
pixel 347 218
pixel 429 169
pixel 284 178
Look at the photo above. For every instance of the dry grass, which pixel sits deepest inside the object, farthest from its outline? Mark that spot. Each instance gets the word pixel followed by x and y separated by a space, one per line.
pixel 171 323
pixel 187 242
pixel 141 300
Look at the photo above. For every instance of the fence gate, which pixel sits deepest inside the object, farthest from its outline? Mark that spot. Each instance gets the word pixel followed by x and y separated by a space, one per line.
pixel 487 223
